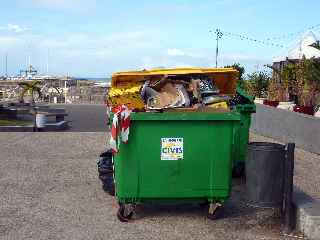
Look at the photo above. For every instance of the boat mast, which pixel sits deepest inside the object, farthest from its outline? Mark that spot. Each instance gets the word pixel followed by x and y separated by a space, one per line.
pixel 6 65
pixel 48 62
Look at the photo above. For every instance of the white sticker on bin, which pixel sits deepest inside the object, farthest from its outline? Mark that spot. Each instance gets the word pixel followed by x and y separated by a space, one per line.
pixel 171 148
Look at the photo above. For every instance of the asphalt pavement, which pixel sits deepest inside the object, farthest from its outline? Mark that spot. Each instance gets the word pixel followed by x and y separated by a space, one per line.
pixel 86 117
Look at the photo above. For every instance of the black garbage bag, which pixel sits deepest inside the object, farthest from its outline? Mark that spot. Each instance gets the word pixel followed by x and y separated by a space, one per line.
pixel 105 171
pixel 106 154
pixel 105 167
pixel 105 164
pixel 109 189
pixel 106 178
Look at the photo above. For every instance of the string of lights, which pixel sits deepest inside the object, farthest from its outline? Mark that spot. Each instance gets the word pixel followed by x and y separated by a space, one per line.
pixel 293 34
pixel 247 38
pixel 270 41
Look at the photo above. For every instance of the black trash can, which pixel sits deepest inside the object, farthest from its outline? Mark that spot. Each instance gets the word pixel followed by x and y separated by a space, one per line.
pixel 265 174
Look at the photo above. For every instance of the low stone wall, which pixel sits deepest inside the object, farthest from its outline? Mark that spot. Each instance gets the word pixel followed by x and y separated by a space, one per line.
pixel 287 126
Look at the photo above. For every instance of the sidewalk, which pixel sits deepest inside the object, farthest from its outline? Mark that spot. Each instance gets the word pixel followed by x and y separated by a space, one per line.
pixel 307 191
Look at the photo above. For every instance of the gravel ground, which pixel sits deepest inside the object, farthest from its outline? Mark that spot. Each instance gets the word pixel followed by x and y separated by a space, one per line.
pixel 50 190
pixel 307 169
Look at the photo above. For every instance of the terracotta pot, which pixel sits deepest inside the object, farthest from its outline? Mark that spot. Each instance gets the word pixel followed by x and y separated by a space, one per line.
pixel 271 103
pixel 304 109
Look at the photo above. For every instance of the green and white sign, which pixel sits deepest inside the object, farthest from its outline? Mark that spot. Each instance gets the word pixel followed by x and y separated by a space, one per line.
pixel 171 148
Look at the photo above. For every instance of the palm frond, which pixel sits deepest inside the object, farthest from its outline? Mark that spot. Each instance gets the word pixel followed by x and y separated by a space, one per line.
pixel 38 90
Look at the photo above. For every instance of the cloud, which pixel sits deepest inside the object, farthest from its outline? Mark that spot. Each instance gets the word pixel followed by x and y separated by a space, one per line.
pixel 14 28
pixel 79 53
pixel 189 53
pixel 197 57
pixel 7 41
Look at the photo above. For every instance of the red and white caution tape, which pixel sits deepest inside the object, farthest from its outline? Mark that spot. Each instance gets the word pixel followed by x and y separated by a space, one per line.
pixel 120 124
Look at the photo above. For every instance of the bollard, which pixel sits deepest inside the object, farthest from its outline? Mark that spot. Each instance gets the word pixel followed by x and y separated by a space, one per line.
pixel 288 189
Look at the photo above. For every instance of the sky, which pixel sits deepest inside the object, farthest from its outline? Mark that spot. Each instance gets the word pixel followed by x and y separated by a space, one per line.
pixel 96 38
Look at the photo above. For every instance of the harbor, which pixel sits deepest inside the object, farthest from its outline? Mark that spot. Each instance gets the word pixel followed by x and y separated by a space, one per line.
pixel 54 89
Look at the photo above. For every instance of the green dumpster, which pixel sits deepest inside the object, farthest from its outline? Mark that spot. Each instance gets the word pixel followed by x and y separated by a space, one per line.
pixel 176 157
pixel 246 108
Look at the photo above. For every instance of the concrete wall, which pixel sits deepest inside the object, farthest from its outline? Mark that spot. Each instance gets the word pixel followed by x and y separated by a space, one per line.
pixel 287 126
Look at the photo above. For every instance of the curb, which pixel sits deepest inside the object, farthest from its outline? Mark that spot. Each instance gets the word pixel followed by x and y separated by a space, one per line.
pixel 16 128
pixel 307 215
pixel 50 127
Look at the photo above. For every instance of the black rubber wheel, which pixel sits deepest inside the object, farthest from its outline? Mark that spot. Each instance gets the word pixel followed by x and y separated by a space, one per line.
pixel 217 214
pixel 121 216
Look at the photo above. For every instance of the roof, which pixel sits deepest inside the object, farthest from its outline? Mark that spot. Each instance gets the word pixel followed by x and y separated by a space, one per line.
pixel 301 48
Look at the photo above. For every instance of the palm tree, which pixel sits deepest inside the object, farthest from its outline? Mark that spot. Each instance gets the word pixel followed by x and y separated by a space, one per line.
pixel 32 87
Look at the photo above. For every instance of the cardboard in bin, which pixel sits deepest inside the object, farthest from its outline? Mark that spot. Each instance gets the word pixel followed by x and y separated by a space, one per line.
pixel 224 78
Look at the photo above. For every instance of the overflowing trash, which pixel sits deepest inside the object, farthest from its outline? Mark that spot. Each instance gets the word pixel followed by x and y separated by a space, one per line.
pixel 166 92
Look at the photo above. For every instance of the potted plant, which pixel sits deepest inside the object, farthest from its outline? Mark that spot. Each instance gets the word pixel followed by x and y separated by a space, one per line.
pixel 33 87
pixel 257 85
pixel 272 99
pixel 310 75
pixel 288 76
pixel 278 91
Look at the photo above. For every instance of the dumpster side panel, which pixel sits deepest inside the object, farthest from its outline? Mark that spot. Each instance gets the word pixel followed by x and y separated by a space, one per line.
pixel 127 168
pixel 242 134
pixel 222 159
pixel 203 172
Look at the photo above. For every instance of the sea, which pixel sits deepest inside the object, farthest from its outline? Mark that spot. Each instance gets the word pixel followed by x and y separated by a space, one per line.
pixel 105 79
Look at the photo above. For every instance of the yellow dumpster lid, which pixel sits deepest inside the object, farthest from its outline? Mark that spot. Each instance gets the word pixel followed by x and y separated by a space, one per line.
pixel 225 78
pixel 175 71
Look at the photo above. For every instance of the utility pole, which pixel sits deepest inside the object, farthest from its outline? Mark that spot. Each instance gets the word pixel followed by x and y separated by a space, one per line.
pixel 48 62
pixel 218 36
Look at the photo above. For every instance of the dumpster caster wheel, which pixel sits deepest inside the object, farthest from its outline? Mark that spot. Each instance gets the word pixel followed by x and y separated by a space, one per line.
pixel 125 212
pixel 215 211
